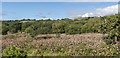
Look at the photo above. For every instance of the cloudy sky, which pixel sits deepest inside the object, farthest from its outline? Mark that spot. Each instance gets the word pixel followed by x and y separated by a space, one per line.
pixel 56 10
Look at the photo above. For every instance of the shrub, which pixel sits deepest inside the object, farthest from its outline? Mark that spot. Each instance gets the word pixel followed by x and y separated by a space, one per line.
pixel 14 52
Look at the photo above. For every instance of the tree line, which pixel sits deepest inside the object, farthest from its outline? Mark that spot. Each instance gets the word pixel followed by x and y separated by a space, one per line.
pixel 107 25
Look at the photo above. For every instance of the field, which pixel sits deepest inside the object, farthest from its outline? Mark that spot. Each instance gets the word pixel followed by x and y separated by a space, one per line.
pixel 87 44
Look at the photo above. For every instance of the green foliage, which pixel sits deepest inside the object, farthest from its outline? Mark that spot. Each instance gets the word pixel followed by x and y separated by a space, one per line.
pixel 107 25
pixel 67 46
pixel 73 29
pixel 15 27
pixel 113 29
pixel 58 27
pixel 25 25
pixel 14 52
pixel 4 29
pixel 11 26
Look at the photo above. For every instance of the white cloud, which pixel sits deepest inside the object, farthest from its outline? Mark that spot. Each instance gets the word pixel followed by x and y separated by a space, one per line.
pixel 45 18
pixel 60 0
pixel 102 11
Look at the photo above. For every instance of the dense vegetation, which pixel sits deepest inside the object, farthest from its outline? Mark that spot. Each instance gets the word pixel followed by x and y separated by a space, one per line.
pixel 89 44
pixel 14 52
pixel 105 25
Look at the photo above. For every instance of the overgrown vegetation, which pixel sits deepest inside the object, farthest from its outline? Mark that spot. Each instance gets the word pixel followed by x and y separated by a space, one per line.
pixel 109 25
pixel 106 25
pixel 14 52
pixel 89 44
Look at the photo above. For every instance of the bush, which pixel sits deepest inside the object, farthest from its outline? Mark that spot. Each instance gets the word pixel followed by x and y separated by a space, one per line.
pixel 114 33
pixel 14 52
pixel 73 29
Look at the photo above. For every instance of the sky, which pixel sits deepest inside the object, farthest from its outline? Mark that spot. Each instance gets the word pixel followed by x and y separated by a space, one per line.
pixel 60 0
pixel 56 10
